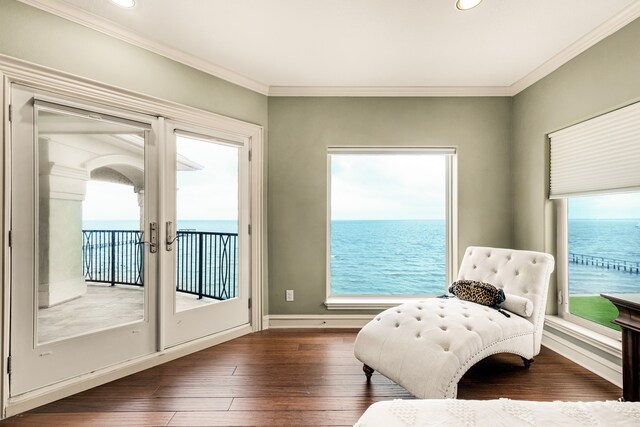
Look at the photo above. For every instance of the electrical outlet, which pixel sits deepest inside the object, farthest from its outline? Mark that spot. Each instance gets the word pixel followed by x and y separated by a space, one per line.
pixel 289 296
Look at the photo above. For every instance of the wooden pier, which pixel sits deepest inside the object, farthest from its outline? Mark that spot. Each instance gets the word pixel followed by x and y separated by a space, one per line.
pixel 632 267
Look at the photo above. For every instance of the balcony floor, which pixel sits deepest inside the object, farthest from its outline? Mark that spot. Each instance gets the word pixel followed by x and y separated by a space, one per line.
pixel 101 307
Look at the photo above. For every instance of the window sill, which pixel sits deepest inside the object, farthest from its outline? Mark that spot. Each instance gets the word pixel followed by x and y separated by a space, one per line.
pixel 592 338
pixel 369 302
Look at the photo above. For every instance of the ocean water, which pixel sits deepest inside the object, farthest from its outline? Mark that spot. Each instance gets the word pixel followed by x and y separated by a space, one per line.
pixel 613 239
pixel 408 257
pixel 388 257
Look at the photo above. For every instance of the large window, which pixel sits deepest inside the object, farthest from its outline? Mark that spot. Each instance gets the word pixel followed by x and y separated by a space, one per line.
pixel 603 253
pixel 389 227
pixel 595 180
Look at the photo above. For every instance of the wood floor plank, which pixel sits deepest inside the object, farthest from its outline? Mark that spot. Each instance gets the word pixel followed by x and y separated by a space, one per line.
pixel 158 404
pixel 293 377
pixel 295 403
pixel 266 418
pixel 92 419
pixel 390 390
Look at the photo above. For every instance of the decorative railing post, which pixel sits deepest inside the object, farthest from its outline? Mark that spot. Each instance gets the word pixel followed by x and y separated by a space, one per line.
pixel 200 264
pixel 113 258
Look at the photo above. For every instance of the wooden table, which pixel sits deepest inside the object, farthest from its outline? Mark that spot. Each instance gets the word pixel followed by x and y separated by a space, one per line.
pixel 628 319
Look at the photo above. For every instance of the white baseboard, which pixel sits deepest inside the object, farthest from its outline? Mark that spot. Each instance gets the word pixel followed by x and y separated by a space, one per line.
pixel 317 320
pixel 583 357
pixel 30 400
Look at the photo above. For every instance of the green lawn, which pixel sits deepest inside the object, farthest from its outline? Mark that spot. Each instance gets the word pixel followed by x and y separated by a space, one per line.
pixel 594 308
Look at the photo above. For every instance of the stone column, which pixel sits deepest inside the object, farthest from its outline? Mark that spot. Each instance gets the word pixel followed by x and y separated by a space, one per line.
pixel 61 192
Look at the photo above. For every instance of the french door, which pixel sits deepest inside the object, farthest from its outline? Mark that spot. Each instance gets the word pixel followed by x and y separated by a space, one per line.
pixel 83 266
pixel 207 233
pixel 129 235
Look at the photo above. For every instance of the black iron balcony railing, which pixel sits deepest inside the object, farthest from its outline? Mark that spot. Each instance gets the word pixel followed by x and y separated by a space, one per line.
pixel 207 262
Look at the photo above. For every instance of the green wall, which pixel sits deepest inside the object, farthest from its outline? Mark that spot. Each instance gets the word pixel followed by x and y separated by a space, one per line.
pixel 501 141
pixel 599 80
pixel 301 129
pixel 45 39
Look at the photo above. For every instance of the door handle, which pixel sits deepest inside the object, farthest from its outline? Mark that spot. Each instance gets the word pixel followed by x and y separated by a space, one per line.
pixel 153 237
pixel 169 233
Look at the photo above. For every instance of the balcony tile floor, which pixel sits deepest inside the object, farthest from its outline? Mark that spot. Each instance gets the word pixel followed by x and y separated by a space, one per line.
pixel 101 307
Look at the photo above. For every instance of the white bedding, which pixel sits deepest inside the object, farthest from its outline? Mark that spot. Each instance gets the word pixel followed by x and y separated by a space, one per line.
pixel 502 412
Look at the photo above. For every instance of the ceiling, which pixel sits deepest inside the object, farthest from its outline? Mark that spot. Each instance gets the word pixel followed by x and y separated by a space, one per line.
pixel 410 47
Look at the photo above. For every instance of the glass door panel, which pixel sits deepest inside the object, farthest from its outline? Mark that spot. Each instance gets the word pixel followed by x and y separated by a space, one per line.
pixel 90 224
pixel 207 222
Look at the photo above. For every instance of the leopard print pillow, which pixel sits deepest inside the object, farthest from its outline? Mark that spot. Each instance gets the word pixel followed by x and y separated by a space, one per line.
pixel 478 292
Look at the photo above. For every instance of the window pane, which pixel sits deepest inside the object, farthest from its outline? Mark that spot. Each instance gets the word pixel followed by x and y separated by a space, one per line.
pixel 604 253
pixel 388 228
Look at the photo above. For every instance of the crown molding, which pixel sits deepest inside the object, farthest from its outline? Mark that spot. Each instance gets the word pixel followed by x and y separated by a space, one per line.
pixel 626 16
pixel 389 91
pixel 71 13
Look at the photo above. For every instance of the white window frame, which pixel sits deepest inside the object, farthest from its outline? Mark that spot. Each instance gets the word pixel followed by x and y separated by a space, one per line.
pixel 376 302
pixel 563 275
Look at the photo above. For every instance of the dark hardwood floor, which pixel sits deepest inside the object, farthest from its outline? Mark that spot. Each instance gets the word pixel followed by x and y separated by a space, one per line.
pixel 293 377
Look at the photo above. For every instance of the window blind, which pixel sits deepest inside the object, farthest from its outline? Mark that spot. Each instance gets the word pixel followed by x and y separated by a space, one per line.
pixel 601 155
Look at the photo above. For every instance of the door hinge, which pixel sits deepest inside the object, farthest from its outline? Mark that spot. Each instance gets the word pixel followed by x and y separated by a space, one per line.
pixel 10 113
pixel 10 239
pixel 9 365
pixel 249 155
pixel 249 303
pixel 249 229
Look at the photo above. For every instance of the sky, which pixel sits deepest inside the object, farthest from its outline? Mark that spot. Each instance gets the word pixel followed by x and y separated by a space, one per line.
pixel 387 186
pixel 207 194
pixel 614 206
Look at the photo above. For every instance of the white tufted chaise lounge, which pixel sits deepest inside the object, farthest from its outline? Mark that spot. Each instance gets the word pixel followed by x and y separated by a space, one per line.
pixel 427 346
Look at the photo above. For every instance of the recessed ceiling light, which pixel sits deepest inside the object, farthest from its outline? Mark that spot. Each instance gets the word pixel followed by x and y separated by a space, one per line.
pixel 467 4
pixel 125 3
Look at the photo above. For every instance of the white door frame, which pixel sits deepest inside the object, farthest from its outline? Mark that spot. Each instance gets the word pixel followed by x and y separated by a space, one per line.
pixel 13 70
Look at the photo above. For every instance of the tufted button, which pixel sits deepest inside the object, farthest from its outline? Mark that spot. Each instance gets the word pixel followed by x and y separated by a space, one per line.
pixel 468 328
pixel 398 312
pixel 466 315
pixel 378 319
pixel 517 273
pixel 418 335
pixel 397 325
pixel 441 315
pixel 489 255
pixel 495 271
pixel 509 258
pixel 526 291
pixel 444 328
pixel 475 267
pixel 418 319
pixel 534 261
pixel 445 348
pixel 419 308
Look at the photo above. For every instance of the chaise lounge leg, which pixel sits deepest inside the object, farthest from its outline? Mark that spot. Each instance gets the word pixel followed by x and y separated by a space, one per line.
pixel 527 362
pixel 368 371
